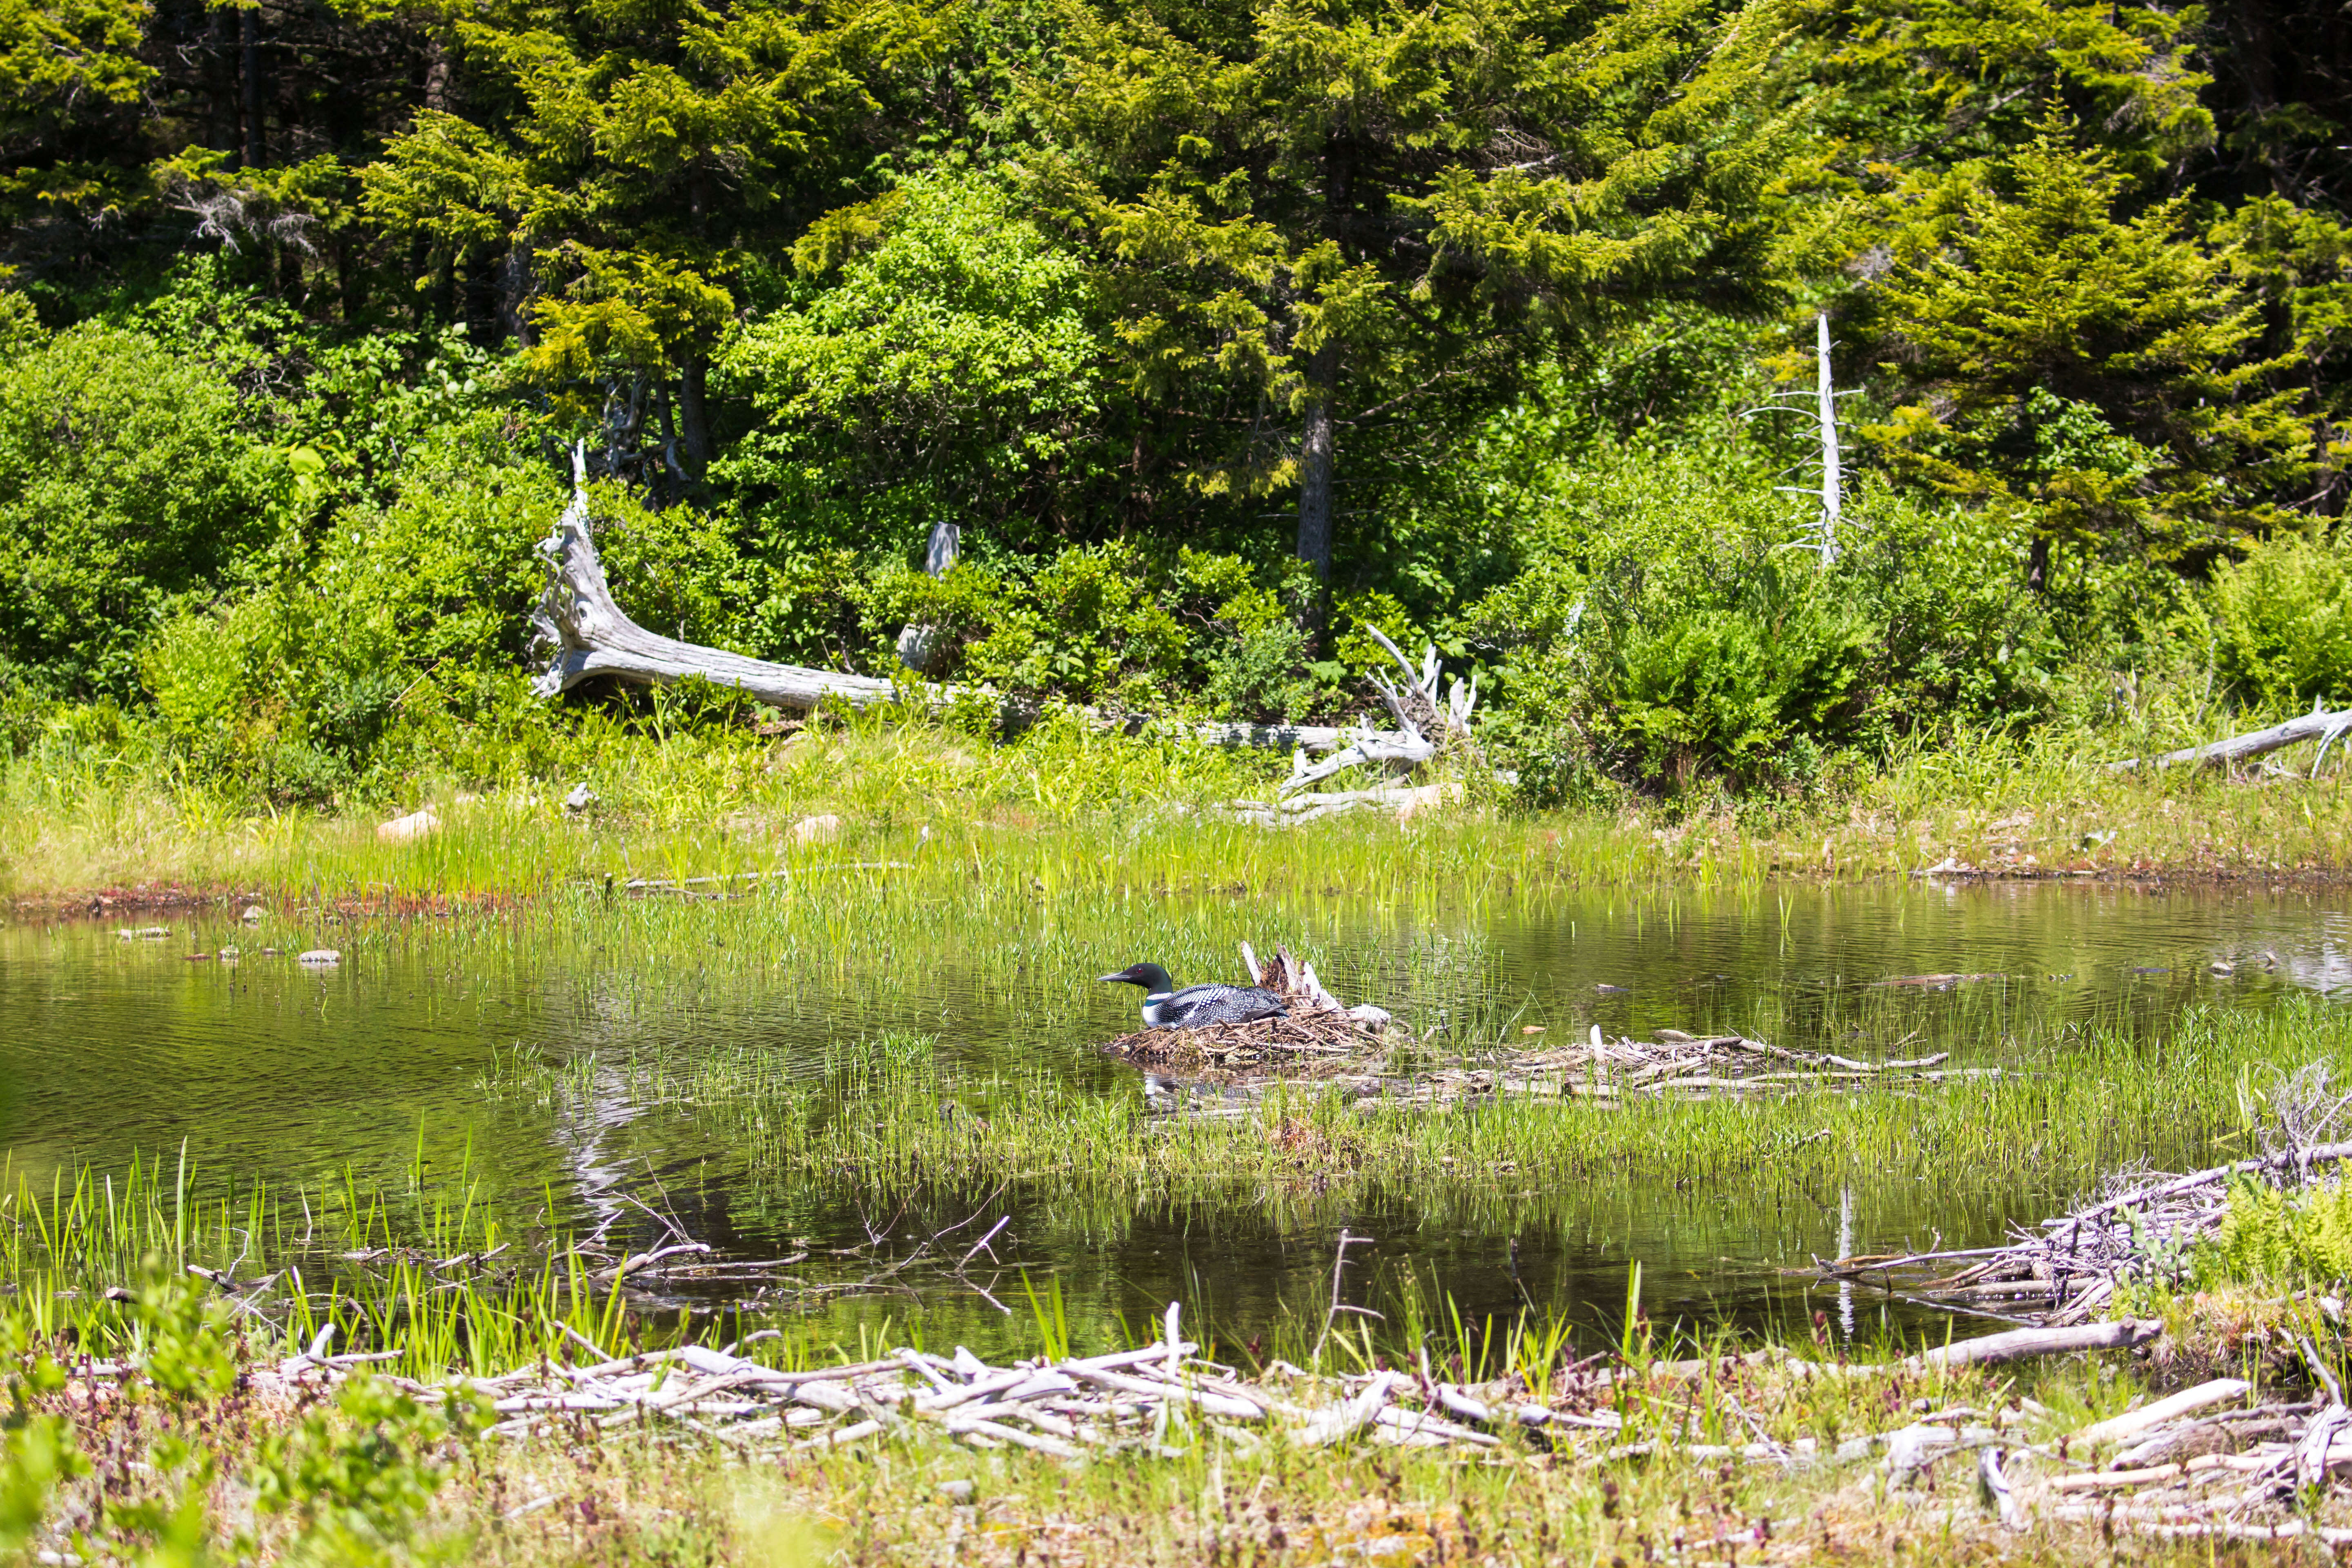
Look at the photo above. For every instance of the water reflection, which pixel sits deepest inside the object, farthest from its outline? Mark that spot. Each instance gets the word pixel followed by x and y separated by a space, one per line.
pixel 109 1049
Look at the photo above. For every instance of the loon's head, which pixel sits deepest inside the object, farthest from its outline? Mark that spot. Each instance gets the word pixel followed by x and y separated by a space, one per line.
pixel 1150 977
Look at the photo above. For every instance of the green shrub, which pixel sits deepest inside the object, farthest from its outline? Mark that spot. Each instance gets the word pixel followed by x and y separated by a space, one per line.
pixel 126 482
pixel 2272 1237
pixel 939 356
pixel 1741 681
pixel 2283 620
pixel 360 1477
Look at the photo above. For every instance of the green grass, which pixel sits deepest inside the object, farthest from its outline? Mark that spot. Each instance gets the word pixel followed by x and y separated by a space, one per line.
pixel 2071 1104
pixel 719 802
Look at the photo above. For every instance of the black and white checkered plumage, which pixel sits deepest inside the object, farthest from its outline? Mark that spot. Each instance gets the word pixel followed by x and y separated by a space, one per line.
pixel 1165 1007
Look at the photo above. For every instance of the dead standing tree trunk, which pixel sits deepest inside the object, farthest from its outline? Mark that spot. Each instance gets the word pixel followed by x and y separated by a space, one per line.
pixel 584 634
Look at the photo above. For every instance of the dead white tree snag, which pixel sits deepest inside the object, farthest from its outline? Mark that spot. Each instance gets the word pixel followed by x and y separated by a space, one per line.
pixel 2319 724
pixel 1830 467
pixel 585 634
pixel 919 645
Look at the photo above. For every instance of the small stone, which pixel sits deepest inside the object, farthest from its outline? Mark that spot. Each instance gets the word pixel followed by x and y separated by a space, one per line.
pixel 580 798
pixel 813 829
pixel 253 914
pixel 958 1491
pixel 403 829
pixel 321 956
pixel 144 933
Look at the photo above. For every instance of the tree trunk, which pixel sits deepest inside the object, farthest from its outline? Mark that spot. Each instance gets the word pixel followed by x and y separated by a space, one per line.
pixel 693 421
pixel 256 141
pixel 2037 565
pixel 514 295
pixel 221 77
pixel 1315 462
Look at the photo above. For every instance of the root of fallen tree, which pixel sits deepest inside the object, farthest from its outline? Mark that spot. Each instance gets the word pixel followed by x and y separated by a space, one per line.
pixel 584 634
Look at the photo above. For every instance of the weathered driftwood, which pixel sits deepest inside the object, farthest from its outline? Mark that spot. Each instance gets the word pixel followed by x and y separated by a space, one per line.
pixel 1406 801
pixel 1418 711
pixel 2065 1269
pixel 584 634
pixel 2319 724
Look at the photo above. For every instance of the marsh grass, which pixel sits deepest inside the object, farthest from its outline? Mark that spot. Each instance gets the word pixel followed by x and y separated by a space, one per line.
pixel 722 802
pixel 2071 1102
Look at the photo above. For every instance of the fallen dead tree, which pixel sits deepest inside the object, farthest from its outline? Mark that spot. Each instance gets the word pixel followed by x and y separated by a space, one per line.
pixel 584 634
pixel 2319 724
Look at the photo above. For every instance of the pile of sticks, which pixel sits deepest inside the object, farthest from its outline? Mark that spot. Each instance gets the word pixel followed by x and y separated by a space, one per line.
pixel 1613 1071
pixel 2066 1269
pixel 1069 1407
pixel 1319 1030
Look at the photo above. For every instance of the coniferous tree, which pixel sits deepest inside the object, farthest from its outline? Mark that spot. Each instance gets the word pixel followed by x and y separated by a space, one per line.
pixel 2102 373
pixel 1328 217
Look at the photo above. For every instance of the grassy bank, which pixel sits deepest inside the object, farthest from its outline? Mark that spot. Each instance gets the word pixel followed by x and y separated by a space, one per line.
pixel 700 802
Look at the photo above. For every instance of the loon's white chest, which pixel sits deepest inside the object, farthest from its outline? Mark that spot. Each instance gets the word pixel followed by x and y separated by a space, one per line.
pixel 1151 1009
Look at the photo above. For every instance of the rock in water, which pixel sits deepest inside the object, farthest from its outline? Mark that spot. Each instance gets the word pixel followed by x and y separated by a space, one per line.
pixel 402 829
pixel 321 956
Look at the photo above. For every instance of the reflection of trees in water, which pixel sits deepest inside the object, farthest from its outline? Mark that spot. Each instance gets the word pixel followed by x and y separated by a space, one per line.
pixel 2323 963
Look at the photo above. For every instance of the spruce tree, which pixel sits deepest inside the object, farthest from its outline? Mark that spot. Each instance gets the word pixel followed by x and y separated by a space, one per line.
pixel 2100 372
pixel 1336 221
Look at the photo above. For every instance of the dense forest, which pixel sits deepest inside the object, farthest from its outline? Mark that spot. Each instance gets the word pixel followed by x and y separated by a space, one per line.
pixel 1222 329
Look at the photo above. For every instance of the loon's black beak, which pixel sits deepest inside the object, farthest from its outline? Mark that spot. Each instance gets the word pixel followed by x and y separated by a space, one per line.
pixel 1100 978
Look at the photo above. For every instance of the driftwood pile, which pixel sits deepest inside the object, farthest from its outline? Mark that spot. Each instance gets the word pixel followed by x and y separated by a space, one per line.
pixel 2067 1268
pixel 1611 1072
pixel 1319 1032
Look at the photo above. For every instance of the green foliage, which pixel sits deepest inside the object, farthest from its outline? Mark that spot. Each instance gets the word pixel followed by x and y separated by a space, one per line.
pixel 941 356
pixel 128 482
pixel 1738 680
pixel 2272 1237
pixel 1662 628
pixel 2283 619
pixel 2098 375
pixel 361 1476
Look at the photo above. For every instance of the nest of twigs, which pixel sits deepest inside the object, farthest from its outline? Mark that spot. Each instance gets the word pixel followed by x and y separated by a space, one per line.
pixel 1319 1032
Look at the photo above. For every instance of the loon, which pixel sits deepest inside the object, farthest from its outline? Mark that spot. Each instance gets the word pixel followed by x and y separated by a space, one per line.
pixel 1165 1007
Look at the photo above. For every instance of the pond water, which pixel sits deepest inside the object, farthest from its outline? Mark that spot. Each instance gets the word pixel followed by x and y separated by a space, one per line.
pixel 379 1066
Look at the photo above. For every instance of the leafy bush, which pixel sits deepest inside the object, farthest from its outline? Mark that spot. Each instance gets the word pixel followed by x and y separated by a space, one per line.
pixel 127 481
pixel 2269 1237
pixel 2283 619
pixel 360 1477
pixel 1664 630
pixel 939 356
pixel 1731 681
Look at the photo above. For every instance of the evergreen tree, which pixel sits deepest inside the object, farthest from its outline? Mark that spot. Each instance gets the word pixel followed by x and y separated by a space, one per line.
pixel 2101 372
pixel 606 169
pixel 1359 216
